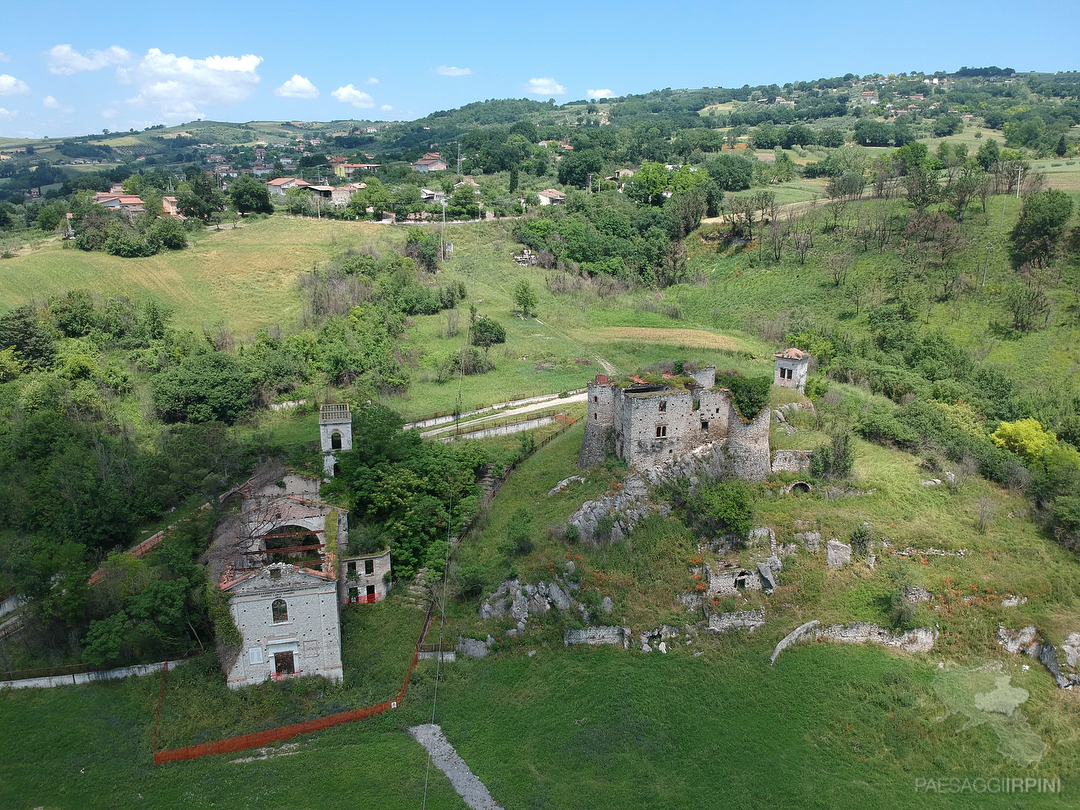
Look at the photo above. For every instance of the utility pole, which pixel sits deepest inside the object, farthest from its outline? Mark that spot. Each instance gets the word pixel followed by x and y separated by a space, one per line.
pixel 590 182
pixel 989 247
pixel 442 233
pixel 1019 169
pixel 459 157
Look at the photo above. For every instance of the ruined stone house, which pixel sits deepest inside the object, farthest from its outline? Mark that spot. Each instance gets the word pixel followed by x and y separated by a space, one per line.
pixel 791 367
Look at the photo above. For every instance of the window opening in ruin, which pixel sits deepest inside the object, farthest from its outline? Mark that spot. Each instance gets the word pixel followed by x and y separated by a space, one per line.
pixel 280 611
pixel 661 431
pixel 354 595
pixel 740 582
pixel 704 425
pixel 283 663
pixel 663 406
pixel 255 655
pixel 595 400
pixel 594 415
pixel 697 404
pixel 335 440
pixel 275 573
pixel 369 567
pixel 370 590
pixel 351 567
pixel 337 469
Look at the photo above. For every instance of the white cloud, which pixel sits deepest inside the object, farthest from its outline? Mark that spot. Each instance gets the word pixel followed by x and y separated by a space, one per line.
pixel 50 103
pixel 443 70
pixel 7 113
pixel 599 94
pixel 386 108
pixel 350 95
pixel 64 60
pixel 10 86
pixel 297 87
pixel 372 80
pixel 177 86
pixel 5 57
pixel 545 87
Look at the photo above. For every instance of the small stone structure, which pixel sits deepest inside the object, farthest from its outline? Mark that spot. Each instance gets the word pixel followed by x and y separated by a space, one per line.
pixel 791 366
pixel 288 619
pixel 603 634
pixel 650 424
pixel 748 619
pixel 792 461
pixel 364 578
pixel 335 435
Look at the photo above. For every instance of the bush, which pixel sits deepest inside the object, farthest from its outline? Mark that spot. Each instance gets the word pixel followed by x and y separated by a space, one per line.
pixel 519 532
pixel 879 425
pixel 486 332
pixel 833 460
pixel 861 538
pixel 750 394
pixel 723 507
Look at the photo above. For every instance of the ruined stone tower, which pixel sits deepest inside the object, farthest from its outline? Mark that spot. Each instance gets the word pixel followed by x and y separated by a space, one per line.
pixel 335 435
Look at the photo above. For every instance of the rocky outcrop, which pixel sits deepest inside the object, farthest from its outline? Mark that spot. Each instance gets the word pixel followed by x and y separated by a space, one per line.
pixel 838 554
pixel 920 639
pixel 626 507
pixel 522 601
pixel 1026 641
pixel 811 541
pixel 1071 648
pixel 1017 641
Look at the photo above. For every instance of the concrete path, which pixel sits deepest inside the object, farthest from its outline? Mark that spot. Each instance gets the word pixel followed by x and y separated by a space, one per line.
pixel 507 406
pixel 444 756
pixel 477 424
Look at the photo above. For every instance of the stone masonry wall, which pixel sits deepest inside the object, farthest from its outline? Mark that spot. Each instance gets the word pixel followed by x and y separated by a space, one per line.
pixel 748 446
pixel 792 461
pixel 598 425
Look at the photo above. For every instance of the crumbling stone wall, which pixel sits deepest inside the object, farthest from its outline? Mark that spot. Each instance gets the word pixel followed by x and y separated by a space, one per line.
pixel 792 461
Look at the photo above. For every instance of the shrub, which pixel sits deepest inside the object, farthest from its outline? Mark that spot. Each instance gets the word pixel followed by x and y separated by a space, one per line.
pixel 723 507
pixel 519 532
pixel 486 332
pixel 833 460
pixel 750 395
pixel 861 538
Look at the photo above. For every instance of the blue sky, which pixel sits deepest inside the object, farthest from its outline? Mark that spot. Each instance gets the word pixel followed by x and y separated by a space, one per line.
pixel 70 69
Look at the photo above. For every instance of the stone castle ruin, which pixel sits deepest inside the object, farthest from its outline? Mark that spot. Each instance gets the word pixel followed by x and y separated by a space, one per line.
pixel 650 424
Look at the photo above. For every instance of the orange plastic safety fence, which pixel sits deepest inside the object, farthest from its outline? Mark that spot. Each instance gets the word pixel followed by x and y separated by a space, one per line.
pixel 261 738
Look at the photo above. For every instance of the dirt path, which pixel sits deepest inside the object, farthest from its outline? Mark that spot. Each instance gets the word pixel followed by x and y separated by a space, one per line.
pixel 444 756
pixel 784 211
